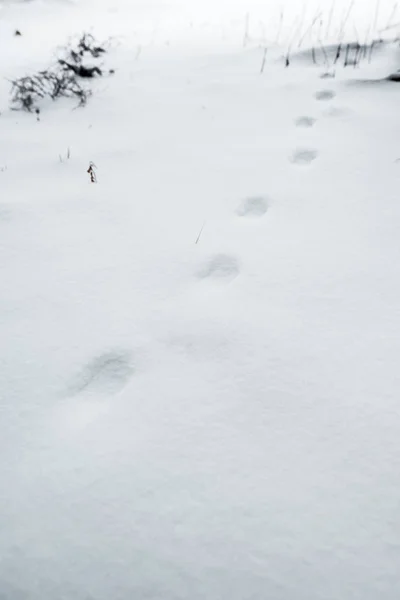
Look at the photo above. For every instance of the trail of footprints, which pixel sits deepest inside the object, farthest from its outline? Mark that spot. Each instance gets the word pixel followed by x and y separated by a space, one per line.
pixel 226 267
pixel 305 156
pixel 110 372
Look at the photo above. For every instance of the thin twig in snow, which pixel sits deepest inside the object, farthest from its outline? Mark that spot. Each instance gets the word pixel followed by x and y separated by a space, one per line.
pixel 345 19
pixel 264 60
pixel 201 231
pixel 377 10
pixel 309 28
pixel 328 27
pixel 92 172
pixel 392 15
pixel 278 35
pixel 314 58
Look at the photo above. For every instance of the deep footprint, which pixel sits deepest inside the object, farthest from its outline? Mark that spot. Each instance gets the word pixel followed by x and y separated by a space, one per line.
pixel 303 156
pixel 325 95
pixel 107 373
pixel 254 206
pixel 306 122
pixel 220 267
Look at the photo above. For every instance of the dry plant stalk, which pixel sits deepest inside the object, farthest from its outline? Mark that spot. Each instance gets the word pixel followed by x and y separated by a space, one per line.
pixel 92 172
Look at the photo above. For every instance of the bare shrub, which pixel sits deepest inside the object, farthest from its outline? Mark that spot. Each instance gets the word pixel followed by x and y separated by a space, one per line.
pixel 62 80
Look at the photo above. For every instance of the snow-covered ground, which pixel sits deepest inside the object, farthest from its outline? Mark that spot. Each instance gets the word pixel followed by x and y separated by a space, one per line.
pixel 199 354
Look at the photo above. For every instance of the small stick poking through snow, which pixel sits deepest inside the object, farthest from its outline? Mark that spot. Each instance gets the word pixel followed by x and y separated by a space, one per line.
pixel 92 172
pixel 201 231
pixel 264 60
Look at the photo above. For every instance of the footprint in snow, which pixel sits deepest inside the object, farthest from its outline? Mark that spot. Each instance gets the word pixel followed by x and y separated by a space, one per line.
pixel 220 267
pixel 303 156
pixel 305 122
pixel 105 374
pixel 253 206
pixel 324 95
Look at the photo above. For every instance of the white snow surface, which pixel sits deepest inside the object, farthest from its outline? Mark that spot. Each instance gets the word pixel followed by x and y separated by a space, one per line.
pixel 199 354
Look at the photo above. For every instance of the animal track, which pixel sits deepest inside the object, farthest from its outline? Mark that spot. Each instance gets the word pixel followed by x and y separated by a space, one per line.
pixel 220 266
pixel 325 95
pixel 107 373
pixel 303 156
pixel 305 122
pixel 254 206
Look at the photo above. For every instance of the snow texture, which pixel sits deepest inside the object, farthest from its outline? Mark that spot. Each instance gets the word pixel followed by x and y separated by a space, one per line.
pixel 199 382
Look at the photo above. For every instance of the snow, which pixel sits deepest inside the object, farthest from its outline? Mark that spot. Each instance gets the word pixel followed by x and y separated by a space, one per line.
pixel 199 353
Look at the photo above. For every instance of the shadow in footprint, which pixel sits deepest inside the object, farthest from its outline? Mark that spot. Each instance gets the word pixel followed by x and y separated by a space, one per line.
pixel 220 267
pixel 253 206
pixel 105 374
pixel 303 156
pixel 305 122
pixel 325 95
